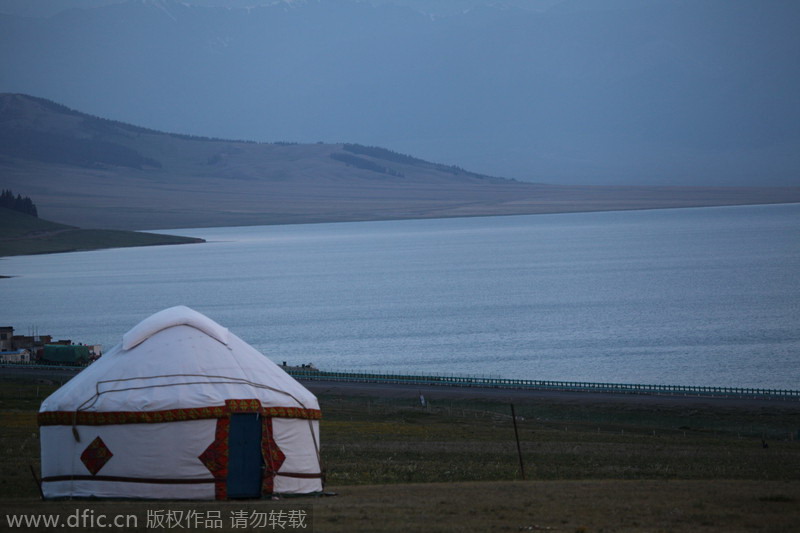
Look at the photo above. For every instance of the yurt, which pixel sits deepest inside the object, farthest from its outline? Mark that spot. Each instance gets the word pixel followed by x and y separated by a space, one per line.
pixel 180 409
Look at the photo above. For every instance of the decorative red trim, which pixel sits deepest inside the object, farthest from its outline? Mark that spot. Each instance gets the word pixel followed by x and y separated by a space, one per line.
pixel 221 475
pixel 272 454
pixel 243 406
pixel 215 458
pixel 122 479
pixel 292 412
pixel 92 418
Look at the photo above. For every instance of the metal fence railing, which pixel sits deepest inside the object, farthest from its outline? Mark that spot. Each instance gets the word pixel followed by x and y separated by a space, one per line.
pixel 309 374
pixel 42 366
pixel 531 384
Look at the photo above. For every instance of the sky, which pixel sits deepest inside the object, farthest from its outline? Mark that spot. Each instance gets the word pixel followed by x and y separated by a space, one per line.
pixel 656 92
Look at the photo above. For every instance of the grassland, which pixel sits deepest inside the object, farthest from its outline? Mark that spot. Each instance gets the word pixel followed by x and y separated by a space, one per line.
pixel 453 466
pixel 22 234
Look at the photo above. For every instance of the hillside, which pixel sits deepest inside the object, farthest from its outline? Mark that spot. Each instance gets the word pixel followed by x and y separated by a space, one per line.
pixel 95 173
pixel 631 92
pixel 22 234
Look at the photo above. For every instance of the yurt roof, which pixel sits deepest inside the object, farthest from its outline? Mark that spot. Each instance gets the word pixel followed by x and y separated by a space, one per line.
pixel 178 359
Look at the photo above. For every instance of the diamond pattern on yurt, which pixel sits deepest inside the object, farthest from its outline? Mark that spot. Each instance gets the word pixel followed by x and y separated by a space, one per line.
pixel 215 457
pixel 96 455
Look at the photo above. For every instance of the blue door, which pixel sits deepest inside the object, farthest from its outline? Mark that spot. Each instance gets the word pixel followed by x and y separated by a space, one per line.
pixel 245 463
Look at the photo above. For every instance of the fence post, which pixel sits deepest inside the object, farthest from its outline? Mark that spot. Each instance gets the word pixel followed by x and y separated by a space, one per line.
pixel 516 436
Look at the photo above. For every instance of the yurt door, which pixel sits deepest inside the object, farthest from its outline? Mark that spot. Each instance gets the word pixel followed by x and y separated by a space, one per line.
pixel 245 464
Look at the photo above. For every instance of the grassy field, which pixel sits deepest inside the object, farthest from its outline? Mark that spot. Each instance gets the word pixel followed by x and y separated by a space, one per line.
pixel 370 441
pixel 22 234
pixel 453 466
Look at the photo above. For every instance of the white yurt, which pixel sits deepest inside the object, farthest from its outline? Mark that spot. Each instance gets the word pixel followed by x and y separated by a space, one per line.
pixel 180 409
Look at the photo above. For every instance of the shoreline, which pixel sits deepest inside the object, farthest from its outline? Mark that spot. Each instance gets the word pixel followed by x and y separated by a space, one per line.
pixel 81 240
pixel 184 239
pixel 334 220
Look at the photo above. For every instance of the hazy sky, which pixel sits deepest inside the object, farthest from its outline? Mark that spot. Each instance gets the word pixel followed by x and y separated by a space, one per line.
pixel 574 91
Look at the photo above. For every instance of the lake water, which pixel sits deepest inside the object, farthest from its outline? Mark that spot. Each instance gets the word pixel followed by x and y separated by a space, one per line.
pixel 684 296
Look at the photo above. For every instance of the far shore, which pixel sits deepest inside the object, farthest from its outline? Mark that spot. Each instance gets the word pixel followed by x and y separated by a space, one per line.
pixel 89 240
pixel 79 240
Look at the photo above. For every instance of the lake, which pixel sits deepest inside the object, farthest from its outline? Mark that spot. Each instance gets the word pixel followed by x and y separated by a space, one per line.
pixel 707 296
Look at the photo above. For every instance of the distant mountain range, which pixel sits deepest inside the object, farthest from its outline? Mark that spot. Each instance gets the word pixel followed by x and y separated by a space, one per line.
pixel 96 173
pixel 643 92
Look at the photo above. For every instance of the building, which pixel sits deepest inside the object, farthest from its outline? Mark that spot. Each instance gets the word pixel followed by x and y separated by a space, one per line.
pixel 34 344
pixel 6 332
pixel 16 356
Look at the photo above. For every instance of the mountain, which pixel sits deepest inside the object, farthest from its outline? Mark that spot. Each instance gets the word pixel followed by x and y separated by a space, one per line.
pixel 646 92
pixel 96 173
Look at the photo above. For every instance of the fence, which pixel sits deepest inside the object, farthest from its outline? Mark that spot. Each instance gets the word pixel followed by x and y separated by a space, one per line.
pixel 531 384
pixel 506 383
